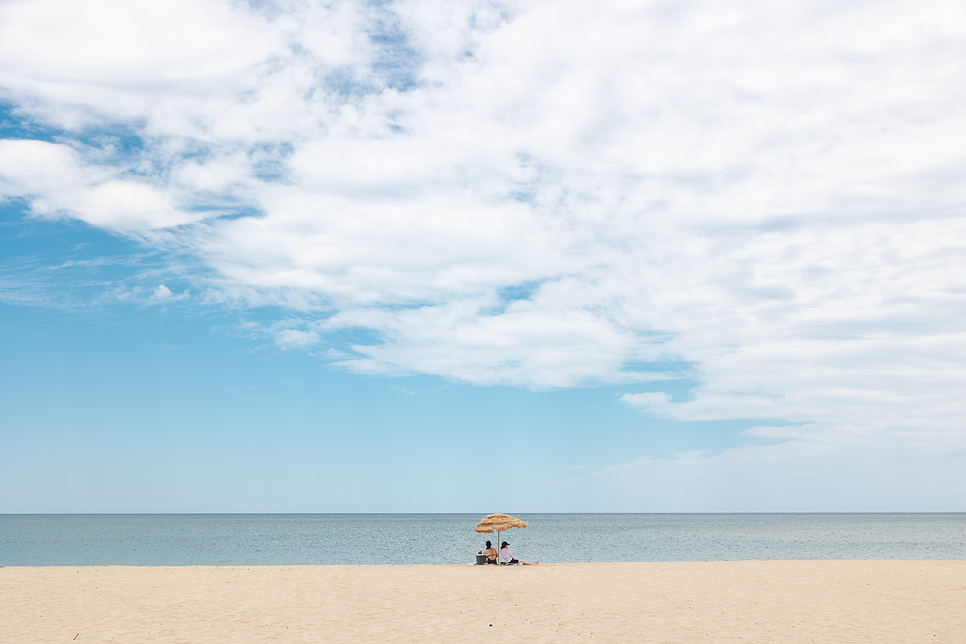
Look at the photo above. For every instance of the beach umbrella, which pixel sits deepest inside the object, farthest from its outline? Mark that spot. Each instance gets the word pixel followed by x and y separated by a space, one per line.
pixel 498 523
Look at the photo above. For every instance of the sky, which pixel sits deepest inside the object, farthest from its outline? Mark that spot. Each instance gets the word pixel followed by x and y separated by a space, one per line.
pixel 482 256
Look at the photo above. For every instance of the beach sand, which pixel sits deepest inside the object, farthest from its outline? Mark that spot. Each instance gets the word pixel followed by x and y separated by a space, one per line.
pixel 756 601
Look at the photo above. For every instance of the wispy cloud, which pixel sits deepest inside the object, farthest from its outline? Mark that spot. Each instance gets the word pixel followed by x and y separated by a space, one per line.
pixel 827 470
pixel 296 339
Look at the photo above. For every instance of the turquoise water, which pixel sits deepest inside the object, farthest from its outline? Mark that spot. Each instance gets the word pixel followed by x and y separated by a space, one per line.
pixel 280 539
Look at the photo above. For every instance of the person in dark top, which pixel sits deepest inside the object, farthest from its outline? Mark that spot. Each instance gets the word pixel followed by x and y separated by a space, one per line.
pixel 490 553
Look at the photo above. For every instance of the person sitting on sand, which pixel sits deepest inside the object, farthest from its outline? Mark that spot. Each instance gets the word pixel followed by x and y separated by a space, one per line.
pixel 506 557
pixel 490 553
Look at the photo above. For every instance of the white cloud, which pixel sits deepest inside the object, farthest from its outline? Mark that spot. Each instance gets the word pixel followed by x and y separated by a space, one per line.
pixel 771 432
pixel 58 183
pixel 656 402
pixel 296 338
pixel 33 168
pixel 160 295
pixel 163 294
pixel 542 194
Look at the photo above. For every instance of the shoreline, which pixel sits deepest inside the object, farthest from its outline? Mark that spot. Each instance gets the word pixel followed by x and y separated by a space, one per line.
pixel 760 601
pixel 471 564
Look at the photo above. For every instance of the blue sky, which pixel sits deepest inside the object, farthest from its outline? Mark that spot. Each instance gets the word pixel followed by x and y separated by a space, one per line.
pixel 474 256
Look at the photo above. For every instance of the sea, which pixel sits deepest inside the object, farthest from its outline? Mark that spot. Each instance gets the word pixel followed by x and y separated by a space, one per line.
pixel 373 539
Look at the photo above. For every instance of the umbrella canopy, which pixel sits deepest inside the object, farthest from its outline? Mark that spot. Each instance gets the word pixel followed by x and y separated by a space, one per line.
pixel 498 523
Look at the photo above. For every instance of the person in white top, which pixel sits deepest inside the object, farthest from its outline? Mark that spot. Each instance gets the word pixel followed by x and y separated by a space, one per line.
pixel 506 557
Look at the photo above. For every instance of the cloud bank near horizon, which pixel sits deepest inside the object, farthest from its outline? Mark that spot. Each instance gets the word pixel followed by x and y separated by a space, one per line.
pixel 766 199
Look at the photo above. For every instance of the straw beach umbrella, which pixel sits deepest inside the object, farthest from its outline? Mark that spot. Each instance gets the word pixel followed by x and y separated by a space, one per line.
pixel 498 523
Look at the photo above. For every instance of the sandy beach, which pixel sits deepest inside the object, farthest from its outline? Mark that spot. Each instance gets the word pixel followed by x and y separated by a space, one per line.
pixel 776 601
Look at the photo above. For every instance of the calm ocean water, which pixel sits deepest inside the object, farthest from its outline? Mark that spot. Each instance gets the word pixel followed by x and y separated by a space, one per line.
pixel 274 539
